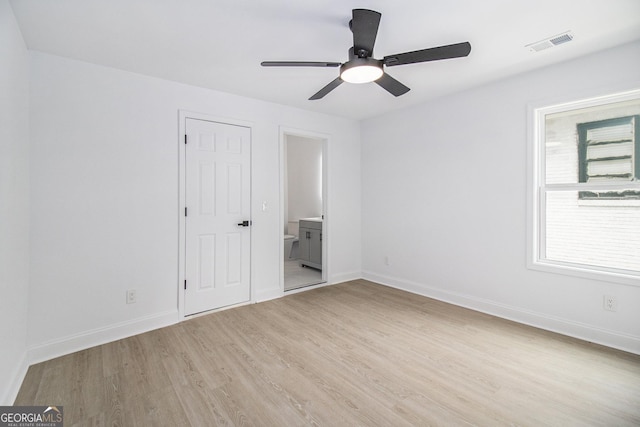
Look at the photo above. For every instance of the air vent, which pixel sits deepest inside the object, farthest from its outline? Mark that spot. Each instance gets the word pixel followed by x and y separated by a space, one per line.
pixel 550 42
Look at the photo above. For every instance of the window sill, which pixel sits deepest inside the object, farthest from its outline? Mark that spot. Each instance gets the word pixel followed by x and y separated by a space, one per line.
pixel 577 270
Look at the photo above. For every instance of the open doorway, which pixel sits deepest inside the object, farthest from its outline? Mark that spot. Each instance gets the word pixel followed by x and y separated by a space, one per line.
pixel 304 222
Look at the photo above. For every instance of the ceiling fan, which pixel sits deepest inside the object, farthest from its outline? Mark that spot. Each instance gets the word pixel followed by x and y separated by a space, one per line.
pixel 363 68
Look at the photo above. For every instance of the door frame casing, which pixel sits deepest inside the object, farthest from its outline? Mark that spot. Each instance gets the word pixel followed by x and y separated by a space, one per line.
pixel 326 237
pixel 183 115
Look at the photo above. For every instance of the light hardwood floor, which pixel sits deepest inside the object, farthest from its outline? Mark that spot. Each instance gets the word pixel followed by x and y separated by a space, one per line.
pixel 350 354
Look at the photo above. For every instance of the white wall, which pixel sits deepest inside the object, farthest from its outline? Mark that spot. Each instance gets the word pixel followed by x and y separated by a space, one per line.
pixel 444 198
pixel 304 177
pixel 14 204
pixel 104 188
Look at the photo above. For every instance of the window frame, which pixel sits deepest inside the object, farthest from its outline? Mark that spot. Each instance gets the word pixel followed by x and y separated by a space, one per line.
pixel 537 189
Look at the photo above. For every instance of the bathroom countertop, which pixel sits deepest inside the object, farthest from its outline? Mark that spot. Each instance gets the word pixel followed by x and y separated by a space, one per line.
pixel 317 219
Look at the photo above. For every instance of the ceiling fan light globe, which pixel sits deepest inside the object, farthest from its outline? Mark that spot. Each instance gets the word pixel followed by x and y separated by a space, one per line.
pixel 361 74
pixel 361 70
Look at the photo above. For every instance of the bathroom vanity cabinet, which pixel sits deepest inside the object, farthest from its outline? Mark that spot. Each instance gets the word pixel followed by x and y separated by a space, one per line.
pixel 310 242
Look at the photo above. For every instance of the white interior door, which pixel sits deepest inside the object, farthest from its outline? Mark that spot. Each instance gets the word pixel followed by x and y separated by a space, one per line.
pixel 217 253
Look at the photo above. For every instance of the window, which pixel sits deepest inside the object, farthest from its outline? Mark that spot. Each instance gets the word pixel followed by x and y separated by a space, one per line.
pixel 585 190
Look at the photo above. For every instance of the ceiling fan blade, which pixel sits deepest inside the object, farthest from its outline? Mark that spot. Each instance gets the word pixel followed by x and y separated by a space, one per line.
pixel 432 54
pixel 391 85
pixel 299 64
pixel 328 88
pixel 364 26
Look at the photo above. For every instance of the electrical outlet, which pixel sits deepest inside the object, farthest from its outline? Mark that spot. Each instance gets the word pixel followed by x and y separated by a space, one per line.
pixel 610 303
pixel 386 260
pixel 131 296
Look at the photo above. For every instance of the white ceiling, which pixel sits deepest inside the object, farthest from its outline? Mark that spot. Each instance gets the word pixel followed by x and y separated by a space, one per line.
pixel 219 44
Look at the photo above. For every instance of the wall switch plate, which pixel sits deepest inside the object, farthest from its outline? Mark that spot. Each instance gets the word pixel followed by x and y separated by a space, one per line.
pixel 131 296
pixel 610 303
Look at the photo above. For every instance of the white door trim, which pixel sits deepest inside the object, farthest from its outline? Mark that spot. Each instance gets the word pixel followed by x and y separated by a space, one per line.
pixel 326 226
pixel 183 115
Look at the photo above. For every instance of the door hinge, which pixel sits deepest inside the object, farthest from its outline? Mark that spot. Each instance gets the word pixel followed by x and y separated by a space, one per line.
pixel 185 138
pixel 185 284
pixel 185 211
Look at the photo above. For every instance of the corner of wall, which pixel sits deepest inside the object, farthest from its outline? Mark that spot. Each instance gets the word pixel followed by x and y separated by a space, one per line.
pixel 15 382
pixel 14 209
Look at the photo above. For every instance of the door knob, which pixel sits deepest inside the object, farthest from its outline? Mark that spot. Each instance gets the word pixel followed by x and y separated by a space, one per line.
pixel 244 223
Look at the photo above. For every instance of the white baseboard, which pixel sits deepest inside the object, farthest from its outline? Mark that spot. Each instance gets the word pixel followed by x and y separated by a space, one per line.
pixel 344 277
pixel 625 342
pixel 11 392
pixel 84 340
